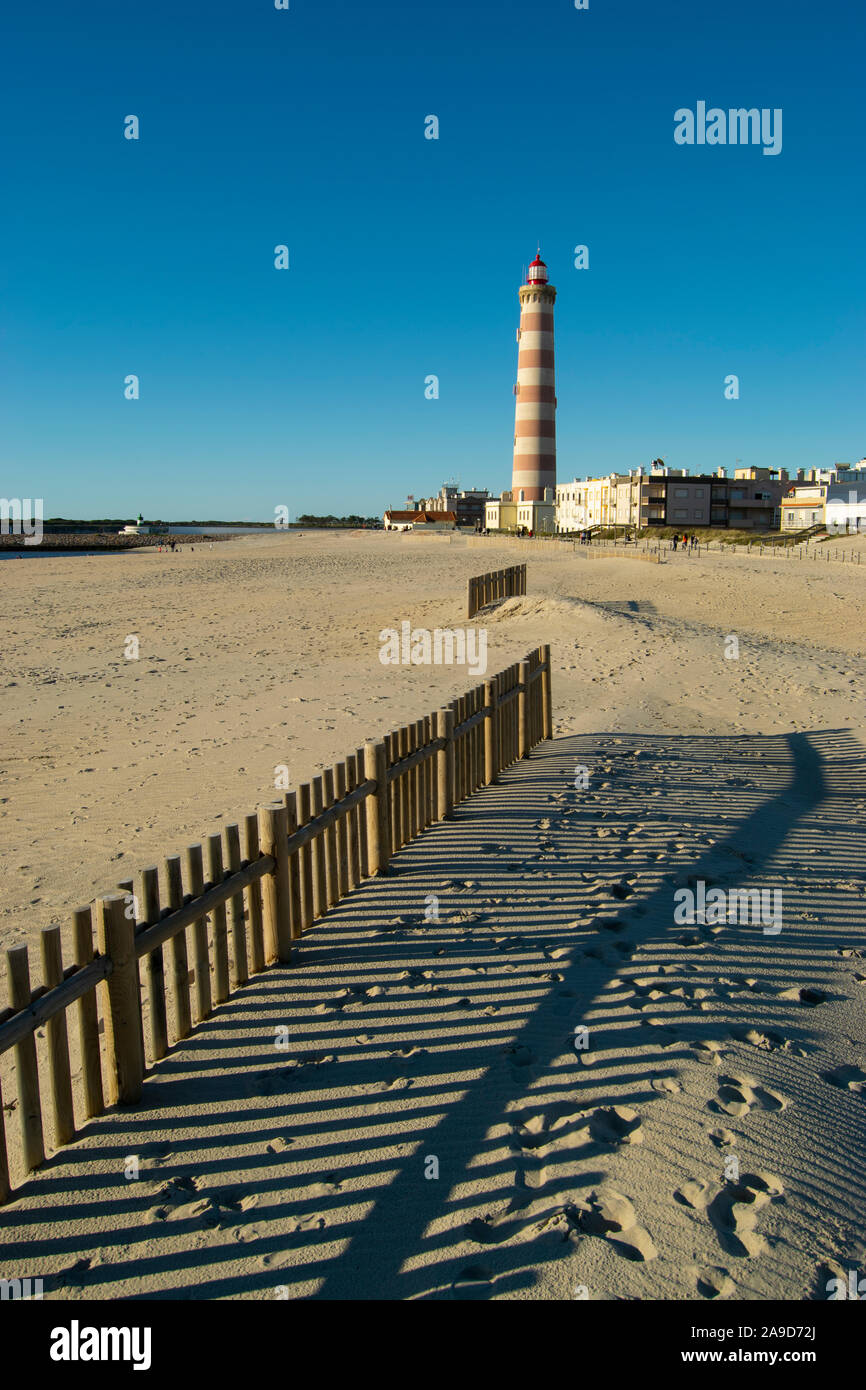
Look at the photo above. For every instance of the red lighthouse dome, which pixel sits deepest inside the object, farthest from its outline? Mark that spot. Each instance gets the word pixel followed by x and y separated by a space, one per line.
pixel 537 272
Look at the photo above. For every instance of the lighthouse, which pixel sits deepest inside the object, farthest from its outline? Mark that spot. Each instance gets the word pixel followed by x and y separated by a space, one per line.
pixel 534 468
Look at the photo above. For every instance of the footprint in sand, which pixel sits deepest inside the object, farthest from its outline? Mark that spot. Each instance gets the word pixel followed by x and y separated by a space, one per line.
pixel 326 1186
pixel 722 1138
pixel 607 924
pixel 733 1213
pixel 667 1085
pixel 707 1051
pixel 475 1283
pixel 740 1094
pixel 810 996
pixel 609 1214
pixel 307 1223
pixel 661 1035
pixel 278 1144
pixel 767 1042
pixel 695 1194
pixel 847 1078
pixel 211 1210
pixel 616 1124
pixel 519 1056
pixel 557 1131
pixel 712 1281
pixel 173 1195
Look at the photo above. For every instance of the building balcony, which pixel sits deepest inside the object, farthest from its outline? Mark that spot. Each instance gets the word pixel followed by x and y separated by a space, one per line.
pixel 737 502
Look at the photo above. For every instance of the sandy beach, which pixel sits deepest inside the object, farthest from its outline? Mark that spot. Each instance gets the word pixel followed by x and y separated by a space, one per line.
pixel 600 1169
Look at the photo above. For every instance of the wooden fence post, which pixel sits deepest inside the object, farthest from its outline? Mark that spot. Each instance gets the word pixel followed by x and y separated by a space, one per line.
pixel 294 867
pixel 317 853
pixel 523 725
pixel 179 955
pixel 491 752
pixel 273 837
pixel 155 967
pixel 58 1042
pixel 5 1186
pixel 361 814
pixel 240 968
pixel 26 1065
pixel 123 1013
pixel 378 830
pixel 305 860
pixel 445 760
pixel 219 926
pixel 88 1017
pixel 195 885
pixel 342 828
pixel 252 852
pixel 329 841
pixel 546 705
pixel 127 886
pixel 351 820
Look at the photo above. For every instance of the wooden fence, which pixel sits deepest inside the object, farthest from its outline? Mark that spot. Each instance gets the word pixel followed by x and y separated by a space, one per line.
pixel 800 551
pixel 498 584
pixel 260 885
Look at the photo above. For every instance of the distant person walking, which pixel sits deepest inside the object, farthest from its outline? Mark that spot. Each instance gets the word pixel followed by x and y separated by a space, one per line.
pixel 674 543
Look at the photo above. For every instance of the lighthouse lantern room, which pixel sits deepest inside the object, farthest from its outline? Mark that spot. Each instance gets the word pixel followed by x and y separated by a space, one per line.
pixel 537 271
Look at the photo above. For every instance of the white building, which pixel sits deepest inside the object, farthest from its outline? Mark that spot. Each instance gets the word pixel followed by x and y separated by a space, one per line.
pixel 616 500
pixel 845 507
pixel 571 506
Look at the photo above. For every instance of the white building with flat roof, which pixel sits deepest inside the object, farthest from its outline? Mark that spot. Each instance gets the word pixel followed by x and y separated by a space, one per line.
pixel 845 507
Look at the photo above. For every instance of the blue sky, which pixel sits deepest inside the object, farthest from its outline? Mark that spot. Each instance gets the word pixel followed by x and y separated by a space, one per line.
pixel 306 127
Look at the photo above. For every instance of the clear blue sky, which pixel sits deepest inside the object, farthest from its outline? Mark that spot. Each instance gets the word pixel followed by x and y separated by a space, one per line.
pixel 306 127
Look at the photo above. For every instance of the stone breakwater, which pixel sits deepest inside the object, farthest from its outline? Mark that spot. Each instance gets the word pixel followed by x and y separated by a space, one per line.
pixel 103 540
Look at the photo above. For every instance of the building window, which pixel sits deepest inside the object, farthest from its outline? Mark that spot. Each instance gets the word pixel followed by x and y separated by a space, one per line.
pixel 699 492
pixel 681 492
pixel 680 514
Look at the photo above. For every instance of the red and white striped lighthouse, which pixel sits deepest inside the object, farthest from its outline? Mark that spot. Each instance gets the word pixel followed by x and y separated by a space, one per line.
pixel 535 413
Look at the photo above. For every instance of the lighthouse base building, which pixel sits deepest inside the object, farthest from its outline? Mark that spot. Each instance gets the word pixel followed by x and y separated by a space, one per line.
pixel 537 517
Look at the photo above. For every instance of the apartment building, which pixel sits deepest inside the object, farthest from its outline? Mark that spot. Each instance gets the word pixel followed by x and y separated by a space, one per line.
pixel 620 499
